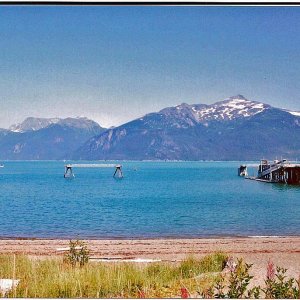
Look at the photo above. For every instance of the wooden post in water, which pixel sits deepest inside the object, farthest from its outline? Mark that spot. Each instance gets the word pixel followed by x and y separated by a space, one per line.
pixel 68 171
pixel 118 171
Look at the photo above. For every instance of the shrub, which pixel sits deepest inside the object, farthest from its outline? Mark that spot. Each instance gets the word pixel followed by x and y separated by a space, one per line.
pixel 78 254
pixel 277 284
pixel 239 279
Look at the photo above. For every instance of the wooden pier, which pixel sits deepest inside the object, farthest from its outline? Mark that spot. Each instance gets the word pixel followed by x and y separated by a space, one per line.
pixel 280 171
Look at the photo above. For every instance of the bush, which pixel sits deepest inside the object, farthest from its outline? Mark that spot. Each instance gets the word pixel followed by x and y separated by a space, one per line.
pixel 78 254
pixel 277 285
pixel 237 285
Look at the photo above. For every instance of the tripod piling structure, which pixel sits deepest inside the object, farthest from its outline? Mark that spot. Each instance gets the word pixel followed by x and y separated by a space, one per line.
pixel 70 174
pixel 118 172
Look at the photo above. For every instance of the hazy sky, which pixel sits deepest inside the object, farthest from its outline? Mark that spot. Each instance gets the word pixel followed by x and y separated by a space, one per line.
pixel 113 64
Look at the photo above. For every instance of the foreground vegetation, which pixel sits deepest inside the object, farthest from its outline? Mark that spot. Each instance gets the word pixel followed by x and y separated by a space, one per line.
pixel 58 278
pixel 74 276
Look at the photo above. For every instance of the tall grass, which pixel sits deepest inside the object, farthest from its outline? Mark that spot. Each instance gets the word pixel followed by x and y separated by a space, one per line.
pixel 53 278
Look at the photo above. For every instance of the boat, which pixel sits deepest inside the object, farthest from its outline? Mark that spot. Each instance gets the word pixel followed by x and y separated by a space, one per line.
pixel 242 170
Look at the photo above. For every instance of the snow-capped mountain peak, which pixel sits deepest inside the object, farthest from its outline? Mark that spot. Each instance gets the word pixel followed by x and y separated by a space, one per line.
pixel 228 109
pixel 218 131
pixel 33 124
pixel 231 108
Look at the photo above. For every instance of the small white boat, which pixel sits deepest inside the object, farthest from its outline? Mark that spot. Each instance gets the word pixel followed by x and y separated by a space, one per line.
pixel 242 171
pixel 1 166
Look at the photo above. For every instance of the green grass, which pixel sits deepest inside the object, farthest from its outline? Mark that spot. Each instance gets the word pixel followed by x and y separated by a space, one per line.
pixel 53 278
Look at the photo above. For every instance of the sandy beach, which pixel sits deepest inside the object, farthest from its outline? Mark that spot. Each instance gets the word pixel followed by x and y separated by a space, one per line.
pixel 283 251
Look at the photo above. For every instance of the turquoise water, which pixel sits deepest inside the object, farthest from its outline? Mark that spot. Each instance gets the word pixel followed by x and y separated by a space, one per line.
pixel 154 199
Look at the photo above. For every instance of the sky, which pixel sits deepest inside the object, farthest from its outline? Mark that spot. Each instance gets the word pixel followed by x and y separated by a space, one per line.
pixel 116 63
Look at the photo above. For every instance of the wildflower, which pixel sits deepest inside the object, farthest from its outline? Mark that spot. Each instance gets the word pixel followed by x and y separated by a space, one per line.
pixel 231 264
pixel 270 270
pixel 184 293
pixel 142 294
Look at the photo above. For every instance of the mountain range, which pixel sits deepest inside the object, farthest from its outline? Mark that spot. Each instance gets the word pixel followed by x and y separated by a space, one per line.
pixel 233 129
pixel 43 139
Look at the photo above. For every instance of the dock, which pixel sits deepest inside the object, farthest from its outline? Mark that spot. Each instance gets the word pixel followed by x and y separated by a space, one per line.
pixel 258 179
pixel 280 171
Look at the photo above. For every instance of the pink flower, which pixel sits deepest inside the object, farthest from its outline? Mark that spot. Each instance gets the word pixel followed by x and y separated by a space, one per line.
pixel 141 294
pixel 270 270
pixel 231 264
pixel 184 293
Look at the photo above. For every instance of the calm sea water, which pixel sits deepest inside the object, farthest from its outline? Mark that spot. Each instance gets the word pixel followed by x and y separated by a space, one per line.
pixel 154 199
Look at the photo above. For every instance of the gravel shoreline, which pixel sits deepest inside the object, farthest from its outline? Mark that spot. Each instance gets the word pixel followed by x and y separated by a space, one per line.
pixel 283 251
pixel 167 249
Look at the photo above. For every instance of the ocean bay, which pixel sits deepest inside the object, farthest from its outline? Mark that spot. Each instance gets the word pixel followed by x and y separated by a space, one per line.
pixel 153 200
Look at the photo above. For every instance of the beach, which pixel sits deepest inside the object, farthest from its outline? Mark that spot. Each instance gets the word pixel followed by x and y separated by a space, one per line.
pixel 283 251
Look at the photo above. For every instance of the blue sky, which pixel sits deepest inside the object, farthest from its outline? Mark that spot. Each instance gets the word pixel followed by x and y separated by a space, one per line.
pixel 113 64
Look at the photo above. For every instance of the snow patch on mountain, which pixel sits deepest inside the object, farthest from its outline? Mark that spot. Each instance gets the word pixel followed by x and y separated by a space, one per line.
pixel 295 113
pixel 33 124
pixel 229 109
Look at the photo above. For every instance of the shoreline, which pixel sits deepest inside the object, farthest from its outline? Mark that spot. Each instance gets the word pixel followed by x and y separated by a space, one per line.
pixel 283 251
pixel 212 237
pixel 157 246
